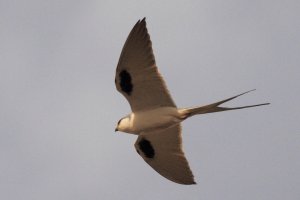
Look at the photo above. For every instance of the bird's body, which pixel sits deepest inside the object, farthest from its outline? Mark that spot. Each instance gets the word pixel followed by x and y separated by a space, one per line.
pixel 150 120
pixel 155 118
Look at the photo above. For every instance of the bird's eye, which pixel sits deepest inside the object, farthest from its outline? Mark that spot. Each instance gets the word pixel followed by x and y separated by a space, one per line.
pixel 119 121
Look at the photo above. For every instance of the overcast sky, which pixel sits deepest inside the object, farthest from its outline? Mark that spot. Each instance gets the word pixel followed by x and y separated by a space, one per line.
pixel 59 105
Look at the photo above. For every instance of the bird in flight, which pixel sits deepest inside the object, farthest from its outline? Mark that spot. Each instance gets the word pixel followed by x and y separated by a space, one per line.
pixel 155 117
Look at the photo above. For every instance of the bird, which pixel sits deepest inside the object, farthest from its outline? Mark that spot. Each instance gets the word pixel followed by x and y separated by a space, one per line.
pixel 155 118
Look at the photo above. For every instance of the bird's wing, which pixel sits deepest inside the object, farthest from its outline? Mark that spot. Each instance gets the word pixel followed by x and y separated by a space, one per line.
pixel 137 77
pixel 162 150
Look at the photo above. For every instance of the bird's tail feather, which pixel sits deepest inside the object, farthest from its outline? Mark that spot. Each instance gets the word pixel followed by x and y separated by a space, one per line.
pixel 214 107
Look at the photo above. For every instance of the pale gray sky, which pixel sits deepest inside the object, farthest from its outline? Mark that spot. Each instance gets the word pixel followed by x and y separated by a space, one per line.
pixel 59 105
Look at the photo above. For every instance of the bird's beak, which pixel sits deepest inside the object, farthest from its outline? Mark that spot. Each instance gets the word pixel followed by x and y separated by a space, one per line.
pixel 116 129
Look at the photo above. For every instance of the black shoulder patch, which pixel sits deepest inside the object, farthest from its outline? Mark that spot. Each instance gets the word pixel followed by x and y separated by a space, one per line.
pixel 147 148
pixel 125 82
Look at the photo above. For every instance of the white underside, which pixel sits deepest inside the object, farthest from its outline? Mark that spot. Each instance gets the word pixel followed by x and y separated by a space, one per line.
pixel 153 120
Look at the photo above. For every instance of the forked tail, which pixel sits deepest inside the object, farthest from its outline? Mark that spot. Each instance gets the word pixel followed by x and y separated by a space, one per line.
pixel 214 107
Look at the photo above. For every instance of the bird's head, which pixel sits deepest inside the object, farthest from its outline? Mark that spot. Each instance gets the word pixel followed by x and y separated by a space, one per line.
pixel 123 124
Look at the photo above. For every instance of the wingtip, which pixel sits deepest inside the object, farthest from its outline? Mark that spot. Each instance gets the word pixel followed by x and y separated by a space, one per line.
pixel 141 20
pixel 185 183
pixel 191 183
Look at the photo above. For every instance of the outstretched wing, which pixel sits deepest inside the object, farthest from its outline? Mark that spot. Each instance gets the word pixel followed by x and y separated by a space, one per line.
pixel 137 77
pixel 163 152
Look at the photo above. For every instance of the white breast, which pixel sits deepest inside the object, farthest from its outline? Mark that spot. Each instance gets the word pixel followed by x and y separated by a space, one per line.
pixel 159 118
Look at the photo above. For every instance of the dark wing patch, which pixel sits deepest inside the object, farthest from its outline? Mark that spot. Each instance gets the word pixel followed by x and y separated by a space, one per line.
pixel 162 150
pixel 125 82
pixel 147 148
pixel 137 76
